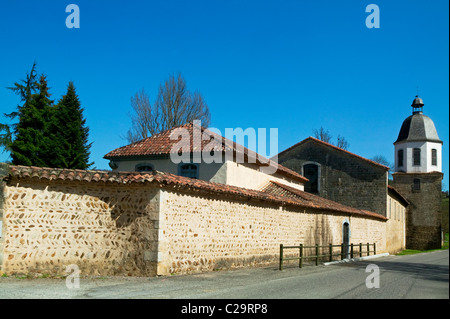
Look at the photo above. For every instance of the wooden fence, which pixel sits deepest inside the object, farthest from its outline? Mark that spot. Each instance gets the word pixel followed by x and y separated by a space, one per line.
pixel 346 251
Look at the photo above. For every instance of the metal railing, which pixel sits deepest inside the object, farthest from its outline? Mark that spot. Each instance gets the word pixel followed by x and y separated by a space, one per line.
pixel 346 251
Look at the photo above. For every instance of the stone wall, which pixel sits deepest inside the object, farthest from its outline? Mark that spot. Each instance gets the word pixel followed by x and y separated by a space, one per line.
pixel 104 229
pixel 423 219
pixel 152 228
pixel 203 233
pixel 3 173
pixel 395 226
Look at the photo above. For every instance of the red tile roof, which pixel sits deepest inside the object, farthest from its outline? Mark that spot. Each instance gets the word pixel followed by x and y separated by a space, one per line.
pixel 162 143
pixel 333 147
pixel 274 192
pixel 393 191
pixel 314 201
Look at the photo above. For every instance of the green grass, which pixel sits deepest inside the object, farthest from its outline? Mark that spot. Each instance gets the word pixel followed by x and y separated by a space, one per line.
pixel 413 251
pixel 444 214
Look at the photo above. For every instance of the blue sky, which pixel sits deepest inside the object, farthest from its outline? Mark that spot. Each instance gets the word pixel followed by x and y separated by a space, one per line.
pixel 292 65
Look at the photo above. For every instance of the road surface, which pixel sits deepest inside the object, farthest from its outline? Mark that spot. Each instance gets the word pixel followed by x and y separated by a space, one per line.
pixel 422 276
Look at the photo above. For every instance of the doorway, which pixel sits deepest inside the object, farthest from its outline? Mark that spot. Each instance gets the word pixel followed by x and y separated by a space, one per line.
pixel 346 238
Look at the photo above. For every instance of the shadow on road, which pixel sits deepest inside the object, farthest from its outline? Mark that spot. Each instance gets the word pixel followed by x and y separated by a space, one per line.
pixel 425 271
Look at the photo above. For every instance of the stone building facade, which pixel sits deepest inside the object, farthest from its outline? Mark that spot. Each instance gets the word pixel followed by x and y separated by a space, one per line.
pixel 146 224
pixel 339 175
pixel 423 221
pixel 418 177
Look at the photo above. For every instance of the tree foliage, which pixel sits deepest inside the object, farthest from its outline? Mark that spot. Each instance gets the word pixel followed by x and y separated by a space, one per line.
pixel 24 89
pixel 45 134
pixel 70 133
pixel 174 105
pixel 32 145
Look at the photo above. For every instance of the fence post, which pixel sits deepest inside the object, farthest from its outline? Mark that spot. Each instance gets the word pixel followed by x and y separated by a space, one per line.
pixel 342 251
pixel 331 252
pixel 374 249
pixel 281 256
pixel 351 250
pixel 368 249
pixel 317 254
pixel 360 249
pixel 300 263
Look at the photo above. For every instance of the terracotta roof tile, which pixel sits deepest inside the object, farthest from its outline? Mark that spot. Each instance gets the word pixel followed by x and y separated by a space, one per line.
pixel 314 201
pixel 274 192
pixel 396 193
pixel 162 143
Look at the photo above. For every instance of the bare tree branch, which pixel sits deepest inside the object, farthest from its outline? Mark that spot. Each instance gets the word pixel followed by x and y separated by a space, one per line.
pixel 342 142
pixel 174 105
pixel 323 135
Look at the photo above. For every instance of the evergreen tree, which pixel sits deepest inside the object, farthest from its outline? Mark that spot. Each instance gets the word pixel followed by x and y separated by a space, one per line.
pixel 69 133
pixel 25 89
pixel 46 135
pixel 31 145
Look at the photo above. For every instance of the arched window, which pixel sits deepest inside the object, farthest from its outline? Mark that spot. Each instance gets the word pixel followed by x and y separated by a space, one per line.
pixel 188 170
pixel 144 167
pixel 311 172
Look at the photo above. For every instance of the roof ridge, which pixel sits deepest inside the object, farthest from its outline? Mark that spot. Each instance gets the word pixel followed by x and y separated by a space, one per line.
pixel 310 138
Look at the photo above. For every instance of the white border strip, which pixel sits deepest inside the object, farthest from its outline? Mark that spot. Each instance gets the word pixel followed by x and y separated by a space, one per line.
pixel 348 260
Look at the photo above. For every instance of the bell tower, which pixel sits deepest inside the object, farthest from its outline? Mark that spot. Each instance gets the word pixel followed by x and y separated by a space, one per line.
pixel 418 177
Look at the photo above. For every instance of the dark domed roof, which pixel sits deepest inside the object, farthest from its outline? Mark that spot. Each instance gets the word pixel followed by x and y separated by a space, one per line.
pixel 418 102
pixel 418 127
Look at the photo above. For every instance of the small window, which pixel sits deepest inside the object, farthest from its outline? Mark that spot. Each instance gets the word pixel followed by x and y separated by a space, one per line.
pixel 416 185
pixel 311 172
pixel 416 157
pixel 144 168
pixel 434 157
pixel 188 170
pixel 400 158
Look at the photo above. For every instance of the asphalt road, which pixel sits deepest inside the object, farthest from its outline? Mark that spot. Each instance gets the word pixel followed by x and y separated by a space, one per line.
pixel 420 276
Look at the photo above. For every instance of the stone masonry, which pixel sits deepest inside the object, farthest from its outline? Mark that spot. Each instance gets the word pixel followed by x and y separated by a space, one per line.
pixel 423 220
pixel 158 224
pixel 104 229
pixel 344 177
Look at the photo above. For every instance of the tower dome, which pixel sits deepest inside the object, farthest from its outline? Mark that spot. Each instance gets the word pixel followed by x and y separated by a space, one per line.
pixel 419 128
pixel 418 102
pixel 418 148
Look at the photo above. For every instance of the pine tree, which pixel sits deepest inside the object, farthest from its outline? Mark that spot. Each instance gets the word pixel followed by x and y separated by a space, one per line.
pixel 69 133
pixel 31 145
pixel 46 135
pixel 25 89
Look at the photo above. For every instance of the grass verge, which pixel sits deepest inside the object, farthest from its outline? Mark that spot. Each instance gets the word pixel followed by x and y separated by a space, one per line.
pixel 413 251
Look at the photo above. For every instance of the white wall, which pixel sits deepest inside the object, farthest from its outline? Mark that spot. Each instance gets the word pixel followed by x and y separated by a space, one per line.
pixel 230 173
pixel 425 157
pixel 248 176
pixel 214 172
